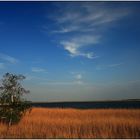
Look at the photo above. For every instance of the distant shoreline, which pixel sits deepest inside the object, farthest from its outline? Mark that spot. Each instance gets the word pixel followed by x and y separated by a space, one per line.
pixel 134 104
pixel 102 104
pixel 121 100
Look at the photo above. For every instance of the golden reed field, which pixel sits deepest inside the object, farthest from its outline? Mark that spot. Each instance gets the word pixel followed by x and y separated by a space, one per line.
pixel 76 123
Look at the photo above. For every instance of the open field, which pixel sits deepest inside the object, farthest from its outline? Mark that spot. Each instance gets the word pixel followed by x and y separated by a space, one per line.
pixel 76 123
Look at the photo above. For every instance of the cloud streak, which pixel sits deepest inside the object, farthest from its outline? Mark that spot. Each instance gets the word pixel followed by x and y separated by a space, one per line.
pixel 8 58
pixel 83 25
pixel 37 69
pixel 59 83
pixel 87 17
pixel 115 65
pixel 77 80
pixel 2 66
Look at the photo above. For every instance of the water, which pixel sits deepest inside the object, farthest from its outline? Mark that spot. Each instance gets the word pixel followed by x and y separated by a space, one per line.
pixel 91 105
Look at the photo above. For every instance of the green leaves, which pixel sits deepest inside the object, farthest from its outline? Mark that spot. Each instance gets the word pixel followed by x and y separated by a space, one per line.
pixel 12 106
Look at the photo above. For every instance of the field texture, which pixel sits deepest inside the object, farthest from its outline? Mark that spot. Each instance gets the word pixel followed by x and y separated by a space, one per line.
pixel 74 123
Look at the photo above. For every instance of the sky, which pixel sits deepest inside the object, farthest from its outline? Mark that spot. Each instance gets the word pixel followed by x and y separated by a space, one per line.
pixel 72 51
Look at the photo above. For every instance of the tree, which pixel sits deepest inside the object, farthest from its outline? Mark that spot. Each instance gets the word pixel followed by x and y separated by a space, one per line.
pixel 13 105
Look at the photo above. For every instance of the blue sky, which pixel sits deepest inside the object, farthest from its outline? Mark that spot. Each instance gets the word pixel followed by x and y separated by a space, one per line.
pixel 72 51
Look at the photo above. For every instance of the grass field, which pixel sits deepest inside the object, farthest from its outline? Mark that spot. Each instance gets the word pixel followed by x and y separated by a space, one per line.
pixel 76 123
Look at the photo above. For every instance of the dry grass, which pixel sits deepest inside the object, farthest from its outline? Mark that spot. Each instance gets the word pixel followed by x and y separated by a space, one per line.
pixel 74 123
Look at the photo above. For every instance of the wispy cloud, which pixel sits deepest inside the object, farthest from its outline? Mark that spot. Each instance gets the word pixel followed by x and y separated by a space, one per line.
pixel 82 17
pixel 77 80
pixel 115 65
pixel 75 46
pixel 87 18
pixel 8 58
pixel 2 65
pixel 37 69
pixel 101 67
pixel 30 77
pixel 59 83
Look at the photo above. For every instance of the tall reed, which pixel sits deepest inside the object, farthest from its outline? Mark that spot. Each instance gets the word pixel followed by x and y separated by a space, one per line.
pixel 76 123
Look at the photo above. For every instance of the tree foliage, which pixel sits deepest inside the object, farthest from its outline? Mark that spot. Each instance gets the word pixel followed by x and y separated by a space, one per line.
pixel 12 104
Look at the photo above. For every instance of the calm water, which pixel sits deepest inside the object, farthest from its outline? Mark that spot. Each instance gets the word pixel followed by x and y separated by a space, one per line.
pixel 90 105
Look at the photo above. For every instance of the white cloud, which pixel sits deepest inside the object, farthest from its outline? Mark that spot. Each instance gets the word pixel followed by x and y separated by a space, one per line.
pixel 89 19
pixel 37 69
pixel 66 30
pixel 75 46
pixel 8 58
pixel 72 48
pixel 86 16
pixel 86 39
